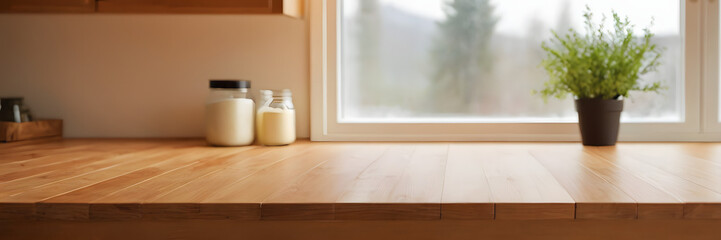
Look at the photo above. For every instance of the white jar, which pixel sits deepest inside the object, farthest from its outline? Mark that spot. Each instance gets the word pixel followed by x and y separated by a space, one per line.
pixel 275 120
pixel 229 113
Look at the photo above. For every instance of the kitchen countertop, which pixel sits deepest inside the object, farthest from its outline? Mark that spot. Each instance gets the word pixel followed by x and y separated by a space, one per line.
pixel 126 179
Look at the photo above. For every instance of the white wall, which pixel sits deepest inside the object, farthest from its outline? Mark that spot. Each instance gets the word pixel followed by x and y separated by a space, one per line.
pixel 146 75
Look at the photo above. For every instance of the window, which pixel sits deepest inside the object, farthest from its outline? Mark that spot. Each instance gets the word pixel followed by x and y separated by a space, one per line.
pixel 466 69
pixel 478 60
pixel 712 115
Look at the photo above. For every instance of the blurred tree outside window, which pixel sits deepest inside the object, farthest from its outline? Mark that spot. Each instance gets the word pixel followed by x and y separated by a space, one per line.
pixel 445 60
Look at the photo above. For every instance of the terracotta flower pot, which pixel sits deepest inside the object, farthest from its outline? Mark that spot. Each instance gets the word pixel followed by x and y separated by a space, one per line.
pixel 598 120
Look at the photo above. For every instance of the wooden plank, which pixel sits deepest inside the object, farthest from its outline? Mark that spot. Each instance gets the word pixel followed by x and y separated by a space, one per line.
pixel 653 203
pixel 377 181
pixel 205 161
pixel 468 211
pixel 707 151
pixel 365 198
pixel 48 149
pixel 466 193
pixel 201 188
pixel 39 171
pixel 362 230
pixel 297 211
pixel 595 197
pixel 179 211
pixel 186 158
pixel 63 212
pixel 533 211
pixel 116 180
pixel 422 181
pixel 109 186
pixel 83 163
pixel 222 6
pixel 116 146
pixel 132 6
pixel 115 212
pixel 91 174
pixel 47 163
pixel 387 211
pixel 293 8
pixel 262 184
pixel 17 212
pixel 313 195
pixel 521 187
pixel 47 176
pixel 702 210
pixel 416 194
pixel 700 171
pixel 32 143
pixel 9 152
pixel 47 6
pixel 688 192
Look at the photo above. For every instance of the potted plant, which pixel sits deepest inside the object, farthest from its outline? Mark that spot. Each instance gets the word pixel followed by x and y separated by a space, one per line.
pixel 599 69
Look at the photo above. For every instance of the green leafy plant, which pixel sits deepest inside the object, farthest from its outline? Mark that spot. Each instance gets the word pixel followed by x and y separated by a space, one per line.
pixel 602 64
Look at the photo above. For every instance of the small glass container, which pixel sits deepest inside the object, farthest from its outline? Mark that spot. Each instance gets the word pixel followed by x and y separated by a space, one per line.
pixel 229 113
pixel 275 120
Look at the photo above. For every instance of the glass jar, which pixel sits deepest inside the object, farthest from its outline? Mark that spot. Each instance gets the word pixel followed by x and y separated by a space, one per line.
pixel 275 120
pixel 229 113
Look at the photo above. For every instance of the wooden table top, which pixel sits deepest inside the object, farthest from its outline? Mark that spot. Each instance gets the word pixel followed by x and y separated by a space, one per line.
pixel 121 179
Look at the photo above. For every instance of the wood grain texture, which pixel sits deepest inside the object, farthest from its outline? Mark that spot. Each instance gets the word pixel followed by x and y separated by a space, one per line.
pixel 297 211
pixel 690 193
pixel 274 178
pixel 387 211
pixel 179 211
pixel 410 176
pixel 64 212
pixel 47 6
pixel 595 197
pixel 60 172
pixel 361 230
pixel 81 176
pixel 293 8
pixel 700 171
pixel 207 161
pixel 322 186
pixel 126 180
pixel 13 212
pixel 467 211
pixel 466 192
pixel 516 179
pixel 655 203
pixel 200 189
pixel 11 131
pixel 534 211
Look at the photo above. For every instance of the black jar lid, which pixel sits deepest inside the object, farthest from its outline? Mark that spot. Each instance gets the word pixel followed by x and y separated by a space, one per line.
pixel 229 84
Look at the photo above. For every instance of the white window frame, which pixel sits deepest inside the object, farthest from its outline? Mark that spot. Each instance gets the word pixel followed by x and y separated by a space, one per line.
pixel 710 85
pixel 324 71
